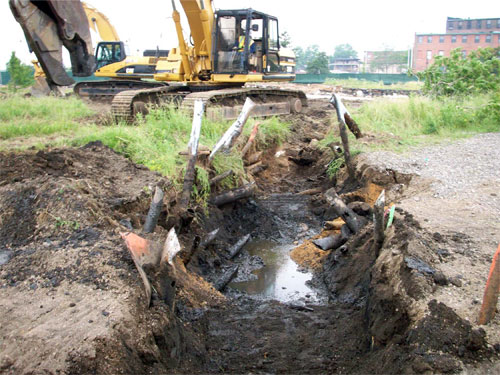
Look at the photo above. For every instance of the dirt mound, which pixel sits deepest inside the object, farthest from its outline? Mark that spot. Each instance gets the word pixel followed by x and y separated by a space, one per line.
pixel 72 300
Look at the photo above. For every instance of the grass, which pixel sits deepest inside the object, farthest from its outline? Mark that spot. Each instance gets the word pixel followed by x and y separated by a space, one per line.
pixel 397 124
pixel 24 117
pixel 364 84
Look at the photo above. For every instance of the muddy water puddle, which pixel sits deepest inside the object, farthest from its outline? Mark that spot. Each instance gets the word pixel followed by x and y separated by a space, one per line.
pixel 280 278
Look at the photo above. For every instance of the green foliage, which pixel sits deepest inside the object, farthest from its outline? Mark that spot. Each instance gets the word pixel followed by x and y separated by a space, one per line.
pixel 21 116
pixel 319 64
pixel 21 75
pixel 344 51
pixel 285 39
pixel 416 116
pixel 458 75
pixel 305 56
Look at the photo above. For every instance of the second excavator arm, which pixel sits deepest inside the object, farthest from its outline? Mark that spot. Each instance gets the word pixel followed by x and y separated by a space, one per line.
pixel 100 24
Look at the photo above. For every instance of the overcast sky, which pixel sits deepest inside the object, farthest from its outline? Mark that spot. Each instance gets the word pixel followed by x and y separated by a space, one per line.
pixel 364 24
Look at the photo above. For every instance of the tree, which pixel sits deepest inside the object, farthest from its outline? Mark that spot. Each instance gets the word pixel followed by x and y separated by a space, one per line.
pixel 383 60
pixel 304 57
pixel 344 51
pixel 285 39
pixel 458 75
pixel 318 64
pixel 21 75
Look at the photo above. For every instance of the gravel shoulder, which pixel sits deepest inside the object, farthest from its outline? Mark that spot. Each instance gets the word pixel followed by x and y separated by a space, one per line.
pixel 455 194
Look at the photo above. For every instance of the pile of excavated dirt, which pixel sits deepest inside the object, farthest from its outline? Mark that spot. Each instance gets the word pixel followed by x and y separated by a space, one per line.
pixel 73 301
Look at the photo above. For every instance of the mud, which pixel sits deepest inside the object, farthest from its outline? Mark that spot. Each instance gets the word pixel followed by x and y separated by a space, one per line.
pixel 73 303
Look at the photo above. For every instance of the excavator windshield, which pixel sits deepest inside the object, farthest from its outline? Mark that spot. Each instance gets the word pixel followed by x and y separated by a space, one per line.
pixel 246 42
pixel 109 53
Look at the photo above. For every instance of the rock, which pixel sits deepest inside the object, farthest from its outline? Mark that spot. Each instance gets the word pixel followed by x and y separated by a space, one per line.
pixel 497 347
pixel 440 278
pixel 419 265
pixel 457 281
pixel 5 256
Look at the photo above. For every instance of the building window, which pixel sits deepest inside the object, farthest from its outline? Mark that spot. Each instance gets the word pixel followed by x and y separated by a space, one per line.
pixel 498 22
pixel 429 55
pixel 441 39
pixel 488 24
pixel 453 38
pixel 429 39
pixel 420 39
pixel 469 24
pixel 488 38
pixel 450 25
pixel 441 53
pixel 479 24
pixel 460 25
pixel 464 38
pixel 477 39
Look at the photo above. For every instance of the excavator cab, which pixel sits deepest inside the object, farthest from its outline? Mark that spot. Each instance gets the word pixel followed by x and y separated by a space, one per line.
pixel 108 53
pixel 246 42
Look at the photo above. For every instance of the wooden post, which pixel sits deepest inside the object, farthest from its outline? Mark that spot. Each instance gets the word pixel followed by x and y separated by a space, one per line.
pixel 234 131
pixel 233 195
pixel 154 211
pixel 251 139
pixel 226 277
pixel 190 175
pixel 214 181
pixel 378 220
pixel 343 135
pixel 236 248
pixel 491 292
pixel 349 121
pixel 353 221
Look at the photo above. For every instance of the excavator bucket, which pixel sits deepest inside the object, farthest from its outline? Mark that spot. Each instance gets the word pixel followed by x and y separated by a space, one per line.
pixel 48 26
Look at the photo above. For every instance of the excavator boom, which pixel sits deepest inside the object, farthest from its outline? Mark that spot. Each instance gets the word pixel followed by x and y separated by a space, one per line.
pixel 48 26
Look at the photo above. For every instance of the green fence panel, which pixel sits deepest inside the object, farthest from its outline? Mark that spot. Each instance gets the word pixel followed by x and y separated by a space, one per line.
pixel 4 77
pixel 385 78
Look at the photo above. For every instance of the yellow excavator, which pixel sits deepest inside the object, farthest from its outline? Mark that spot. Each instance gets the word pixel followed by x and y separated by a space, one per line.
pixel 227 49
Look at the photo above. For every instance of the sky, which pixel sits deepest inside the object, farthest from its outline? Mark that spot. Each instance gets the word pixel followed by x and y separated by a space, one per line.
pixel 366 25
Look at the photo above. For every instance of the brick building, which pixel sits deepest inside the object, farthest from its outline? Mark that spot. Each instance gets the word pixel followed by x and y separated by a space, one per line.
pixel 468 34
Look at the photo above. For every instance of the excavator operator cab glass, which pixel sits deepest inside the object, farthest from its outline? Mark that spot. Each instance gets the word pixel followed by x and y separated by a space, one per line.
pixel 109 53
pixel 246 42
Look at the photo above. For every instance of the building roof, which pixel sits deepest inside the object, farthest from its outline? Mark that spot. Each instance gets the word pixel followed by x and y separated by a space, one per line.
pixel 472 19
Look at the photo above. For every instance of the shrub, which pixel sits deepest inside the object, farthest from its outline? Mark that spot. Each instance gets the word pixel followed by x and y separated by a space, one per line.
pixel 21 75
pixel 458 75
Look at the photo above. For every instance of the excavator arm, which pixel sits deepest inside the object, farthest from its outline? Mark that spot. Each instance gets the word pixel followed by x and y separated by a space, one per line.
pixel 100 24
pixel 48 26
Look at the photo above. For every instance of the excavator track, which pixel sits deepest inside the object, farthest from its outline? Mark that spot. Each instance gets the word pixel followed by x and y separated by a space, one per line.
pixel 220 104
pixel 227 103
pixel 106 90
pixel 127 104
